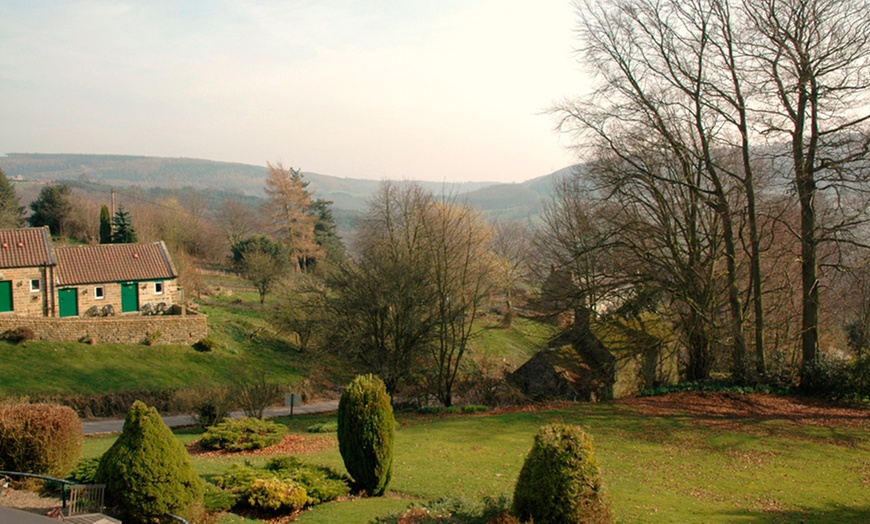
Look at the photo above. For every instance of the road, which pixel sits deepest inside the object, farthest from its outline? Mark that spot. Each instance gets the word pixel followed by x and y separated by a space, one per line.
pixel 92 427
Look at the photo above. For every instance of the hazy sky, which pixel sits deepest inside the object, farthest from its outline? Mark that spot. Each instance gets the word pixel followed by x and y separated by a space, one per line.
pixel 418 89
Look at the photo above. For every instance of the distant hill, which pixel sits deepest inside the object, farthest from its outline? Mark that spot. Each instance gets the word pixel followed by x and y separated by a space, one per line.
pixel 515 201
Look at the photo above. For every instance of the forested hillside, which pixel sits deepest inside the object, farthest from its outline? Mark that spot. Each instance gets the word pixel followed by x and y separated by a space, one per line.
pixel 173 174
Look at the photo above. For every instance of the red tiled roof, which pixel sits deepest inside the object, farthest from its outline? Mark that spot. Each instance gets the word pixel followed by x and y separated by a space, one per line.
pixel 26 247
pixel 113 263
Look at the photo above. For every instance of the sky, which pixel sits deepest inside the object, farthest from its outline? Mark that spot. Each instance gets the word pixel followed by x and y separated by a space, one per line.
pixel 443 90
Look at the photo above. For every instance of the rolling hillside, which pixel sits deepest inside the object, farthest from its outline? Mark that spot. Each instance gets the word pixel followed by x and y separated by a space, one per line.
pixel 513 201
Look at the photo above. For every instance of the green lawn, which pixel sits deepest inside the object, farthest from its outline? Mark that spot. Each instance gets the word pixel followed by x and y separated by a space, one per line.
pixel 656 469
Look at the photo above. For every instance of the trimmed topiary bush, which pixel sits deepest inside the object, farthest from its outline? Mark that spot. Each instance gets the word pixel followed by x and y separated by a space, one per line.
pixel 45 439
pixel 560 480
pixel 243 434
pixel 366 431
pixel 147 471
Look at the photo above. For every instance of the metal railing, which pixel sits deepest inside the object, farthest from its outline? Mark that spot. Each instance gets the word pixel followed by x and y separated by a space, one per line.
pixel 73 495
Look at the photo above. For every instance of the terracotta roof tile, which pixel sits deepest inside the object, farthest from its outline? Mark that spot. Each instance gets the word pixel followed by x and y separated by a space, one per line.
pixel 113 263
pixel 26 247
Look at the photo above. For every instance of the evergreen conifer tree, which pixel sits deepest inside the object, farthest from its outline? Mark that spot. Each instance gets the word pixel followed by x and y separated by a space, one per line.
pixel 53 208
pixel 123 227
pixel 105 225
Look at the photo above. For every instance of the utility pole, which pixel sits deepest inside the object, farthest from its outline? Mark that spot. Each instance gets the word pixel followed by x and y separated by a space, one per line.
pixel 112 216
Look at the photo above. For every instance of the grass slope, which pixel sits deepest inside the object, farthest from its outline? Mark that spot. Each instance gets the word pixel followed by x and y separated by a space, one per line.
pixel 247 344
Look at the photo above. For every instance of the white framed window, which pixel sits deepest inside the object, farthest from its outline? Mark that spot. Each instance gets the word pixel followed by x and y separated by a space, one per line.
pixel 158 288
pixel 99 293
pixel 35 285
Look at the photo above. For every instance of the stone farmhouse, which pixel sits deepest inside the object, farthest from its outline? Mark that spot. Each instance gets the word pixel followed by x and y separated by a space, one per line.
pixel 42 285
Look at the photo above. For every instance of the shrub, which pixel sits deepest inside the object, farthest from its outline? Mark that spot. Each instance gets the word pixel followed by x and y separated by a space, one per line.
pixel 239 477
pixel 152 338
pixel 19 334
pixel 366 431
pixel 323 427
pixel 274 494
pixel 859 372
pixel 255 394
pixel 217 499
pixel 45 439
pixel 321 484
pixel 560 480
pixel 208 406
pixel 206 345
pixel 147 471
pixel 85 471
pixel 456 510
pixel 243 434
pixel 827 375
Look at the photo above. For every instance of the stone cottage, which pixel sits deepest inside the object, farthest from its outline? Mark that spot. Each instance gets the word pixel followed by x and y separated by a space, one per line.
pixel 127 277
pixel 27 265
pixel 40 280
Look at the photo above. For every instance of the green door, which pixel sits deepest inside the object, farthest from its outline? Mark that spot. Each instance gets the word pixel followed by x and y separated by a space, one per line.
pixel 129 297
pixel 6 295
pixel 68 302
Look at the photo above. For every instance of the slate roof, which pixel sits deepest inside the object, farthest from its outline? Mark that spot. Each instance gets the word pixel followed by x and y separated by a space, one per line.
pixel 25 247
pixel 113 263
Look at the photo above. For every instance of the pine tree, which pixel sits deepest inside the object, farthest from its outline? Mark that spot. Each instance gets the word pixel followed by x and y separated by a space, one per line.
pixel 123 228
pixel 105 225
pixel 11 214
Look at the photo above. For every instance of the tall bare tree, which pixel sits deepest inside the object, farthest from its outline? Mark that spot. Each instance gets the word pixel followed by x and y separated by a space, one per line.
pixel 699 80
pixel 813 71
pixel 512 247
pixel 382 304
pixel 457 249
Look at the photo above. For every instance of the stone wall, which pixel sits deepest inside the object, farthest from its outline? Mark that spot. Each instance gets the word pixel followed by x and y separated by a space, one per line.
pixel 125 329
pixel 25 300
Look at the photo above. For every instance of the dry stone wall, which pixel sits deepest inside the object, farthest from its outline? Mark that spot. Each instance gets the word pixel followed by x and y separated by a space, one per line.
pixel 126 329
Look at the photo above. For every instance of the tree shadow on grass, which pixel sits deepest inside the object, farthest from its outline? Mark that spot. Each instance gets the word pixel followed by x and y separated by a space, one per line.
pixel 826 515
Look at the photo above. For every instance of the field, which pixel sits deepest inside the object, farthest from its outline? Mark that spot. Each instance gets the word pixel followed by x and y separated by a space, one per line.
pixel 689 457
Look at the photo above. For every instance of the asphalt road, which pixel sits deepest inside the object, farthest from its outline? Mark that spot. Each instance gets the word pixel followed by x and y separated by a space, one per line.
pixel 92 427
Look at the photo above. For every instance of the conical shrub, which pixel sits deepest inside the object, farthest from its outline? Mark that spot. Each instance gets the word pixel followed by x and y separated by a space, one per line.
pixel 147 471
pixel 366 431
pixel 560 482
